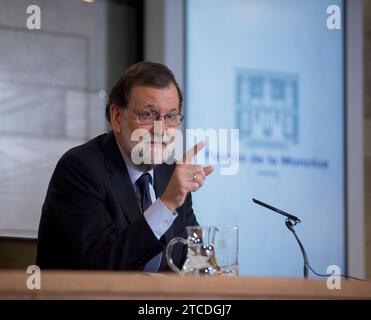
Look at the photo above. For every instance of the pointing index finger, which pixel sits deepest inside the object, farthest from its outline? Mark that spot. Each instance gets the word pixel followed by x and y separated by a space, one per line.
pixel 190 154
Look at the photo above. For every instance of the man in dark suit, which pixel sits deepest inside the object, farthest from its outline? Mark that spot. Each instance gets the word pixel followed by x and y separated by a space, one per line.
pixel 105 210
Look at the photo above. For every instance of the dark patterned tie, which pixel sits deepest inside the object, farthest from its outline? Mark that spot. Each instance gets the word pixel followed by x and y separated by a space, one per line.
pixel 146 201
pixel 143 184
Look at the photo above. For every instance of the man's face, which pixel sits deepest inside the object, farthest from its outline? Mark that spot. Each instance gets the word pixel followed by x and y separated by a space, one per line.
pixel 144 99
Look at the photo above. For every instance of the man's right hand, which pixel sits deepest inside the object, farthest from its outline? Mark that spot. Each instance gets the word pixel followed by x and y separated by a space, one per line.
pixel 187 177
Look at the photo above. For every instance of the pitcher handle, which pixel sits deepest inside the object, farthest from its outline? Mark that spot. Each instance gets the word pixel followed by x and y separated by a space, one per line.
pixel 169 250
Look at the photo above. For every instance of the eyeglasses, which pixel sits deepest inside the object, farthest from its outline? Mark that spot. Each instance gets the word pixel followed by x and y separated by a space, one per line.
pixel 149 117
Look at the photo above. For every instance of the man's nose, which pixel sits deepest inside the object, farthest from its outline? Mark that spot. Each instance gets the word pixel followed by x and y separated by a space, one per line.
pixel 159 127
pixel 163 124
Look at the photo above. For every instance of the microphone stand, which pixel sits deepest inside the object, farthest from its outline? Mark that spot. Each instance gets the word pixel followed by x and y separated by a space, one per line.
pixel 290 225
pixel 290 222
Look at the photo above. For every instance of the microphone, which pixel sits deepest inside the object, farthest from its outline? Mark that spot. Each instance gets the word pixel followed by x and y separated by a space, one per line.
pixel 288 215
pixel 290 222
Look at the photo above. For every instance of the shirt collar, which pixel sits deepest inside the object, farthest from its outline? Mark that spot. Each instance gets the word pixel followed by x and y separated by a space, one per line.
pixel 133 171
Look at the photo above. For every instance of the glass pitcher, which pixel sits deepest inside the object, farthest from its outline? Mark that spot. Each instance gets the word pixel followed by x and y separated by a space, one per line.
pixel 200 252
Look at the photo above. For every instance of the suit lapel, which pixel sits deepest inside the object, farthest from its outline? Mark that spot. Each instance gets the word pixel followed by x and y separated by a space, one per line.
pixel 120 179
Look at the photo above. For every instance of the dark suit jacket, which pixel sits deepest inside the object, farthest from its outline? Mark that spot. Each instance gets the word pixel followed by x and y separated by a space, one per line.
pixel 91 218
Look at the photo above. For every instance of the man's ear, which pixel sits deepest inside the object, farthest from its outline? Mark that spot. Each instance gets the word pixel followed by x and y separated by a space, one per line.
pixel 116 118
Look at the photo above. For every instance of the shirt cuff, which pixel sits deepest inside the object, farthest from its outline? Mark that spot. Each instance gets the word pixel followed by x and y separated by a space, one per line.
pixel 159 218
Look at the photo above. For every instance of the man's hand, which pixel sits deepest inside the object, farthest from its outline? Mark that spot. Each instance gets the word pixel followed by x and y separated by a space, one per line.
pixel 187 177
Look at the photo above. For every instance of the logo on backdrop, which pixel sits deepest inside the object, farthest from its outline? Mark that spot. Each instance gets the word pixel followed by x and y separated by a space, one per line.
pixel 267 108
pixel 267 117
